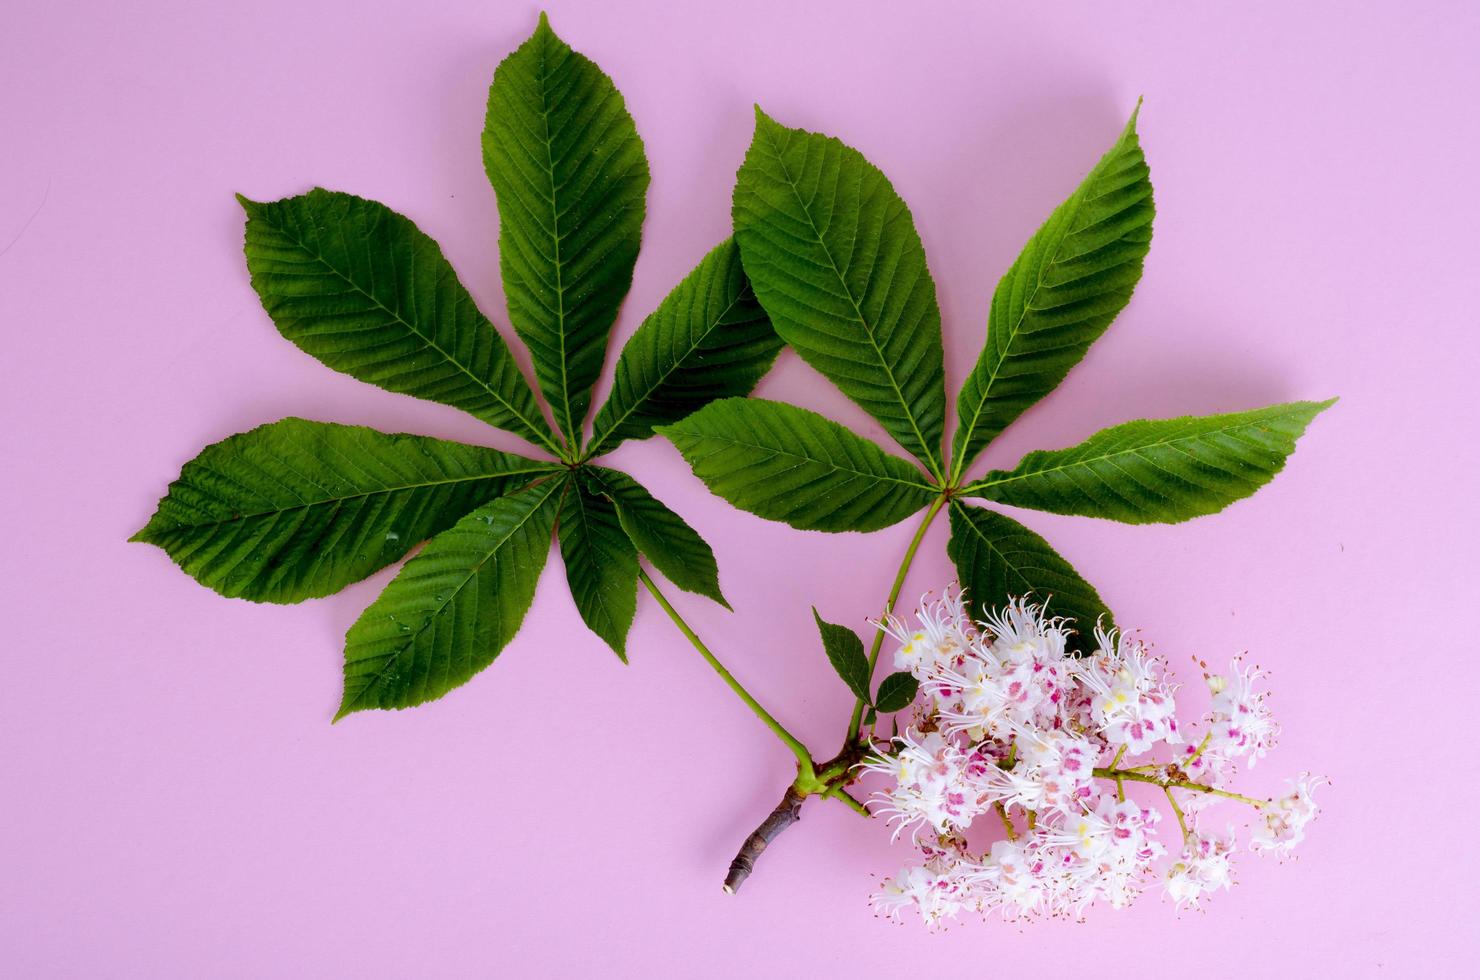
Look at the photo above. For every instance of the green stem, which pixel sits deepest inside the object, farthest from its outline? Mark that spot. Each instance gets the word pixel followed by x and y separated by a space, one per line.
pixel 838 792
pixel 904 568
pixel 804 758
pixel 1138 777
pixel 1006 822
pixel 1181 818
pixel 1200 747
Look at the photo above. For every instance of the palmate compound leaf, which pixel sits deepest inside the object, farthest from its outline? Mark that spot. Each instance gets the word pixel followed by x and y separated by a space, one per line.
pixel 455 606
pixel 997 560
pixel 832 252
pixel 1157 470
pixel 600 564
pixel 571 178
pixel 708 339
pixel 298 509
pixel 660 535
pixel 845 652
pixel 362 289
pixel 1071 280
pixel 789 464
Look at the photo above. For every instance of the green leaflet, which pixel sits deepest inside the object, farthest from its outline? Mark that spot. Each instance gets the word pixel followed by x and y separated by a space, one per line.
pixel 1073 277
pixel 833 254
pixel 1157 470
pixel 571 179
pixel 896 691
pixel 600 565
pixel 708 339
pixel 845 652
pixel 660 535
pixel 297 509
pixel 362 289
pixel 998 559
pixel 788 464
pixel 454 607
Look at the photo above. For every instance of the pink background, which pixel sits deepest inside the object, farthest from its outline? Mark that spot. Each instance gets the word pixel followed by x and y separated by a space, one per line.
pixel 175 802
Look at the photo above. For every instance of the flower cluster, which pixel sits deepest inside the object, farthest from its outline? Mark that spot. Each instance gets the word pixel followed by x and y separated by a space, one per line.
pixel 1012 722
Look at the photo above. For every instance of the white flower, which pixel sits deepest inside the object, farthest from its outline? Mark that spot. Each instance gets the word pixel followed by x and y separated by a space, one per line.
pixel 934 784
pixel 1105 853
pixel 1054 771
pixel 1034 675
pixel 942 637
pixel 1286 817
pixel 1204 867
pixel 935 896
pixel 968 697
pixel 1011 881
pixel 1242 724
pixel 1130 703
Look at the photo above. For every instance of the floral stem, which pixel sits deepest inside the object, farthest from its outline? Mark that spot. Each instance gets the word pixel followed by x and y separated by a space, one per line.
pixel 840 793
pixel 1139 777
pixel 804 758
pixel 1006 822
pixel 1197 754
pixel 1181 818
pixel 904 568
pixel 1119 754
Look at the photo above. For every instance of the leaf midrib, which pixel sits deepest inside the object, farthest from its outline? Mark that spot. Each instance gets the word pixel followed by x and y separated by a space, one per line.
pixel 496 396
pixel 602 437
pixel 852 301
pixel 543 78
pixel 1012 476
pixel 410 639
pixel 399 488
pixel 588 537
pixel 969 430
pixel 730 440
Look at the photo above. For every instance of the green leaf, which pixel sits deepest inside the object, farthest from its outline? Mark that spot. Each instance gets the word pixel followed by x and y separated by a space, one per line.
pixel 845 651
pixel 833 254
pixel 1072 279
pixel 454 607
pixel 674 548
pixel 362 289
pixel 897 691
pixel 571 178
pixel 997 559
pixel 298 509
pixel 1157 470
pixel 787 464
pixel 708 339
pixel 600 565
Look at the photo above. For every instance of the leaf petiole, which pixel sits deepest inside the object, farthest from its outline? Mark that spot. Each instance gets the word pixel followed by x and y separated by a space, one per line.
pixel 904 568
pixel 804 758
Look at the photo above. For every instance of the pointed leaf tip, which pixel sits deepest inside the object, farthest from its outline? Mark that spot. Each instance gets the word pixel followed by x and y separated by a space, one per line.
pixel 1130 125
